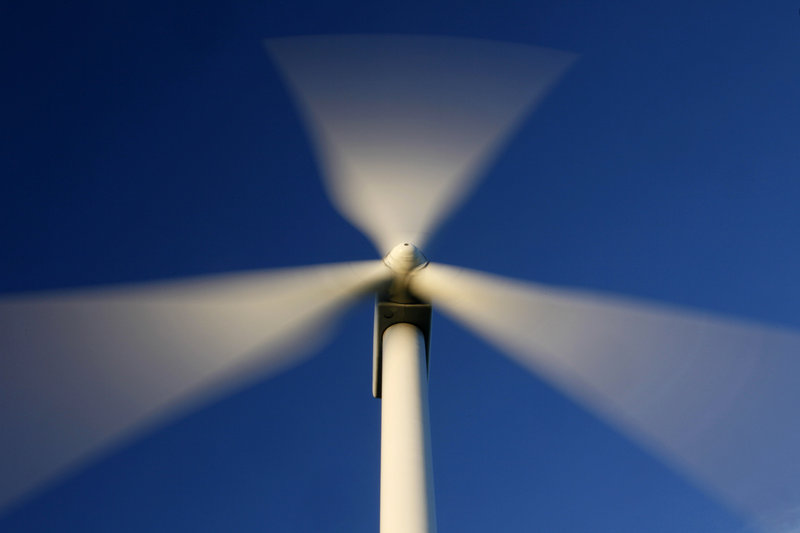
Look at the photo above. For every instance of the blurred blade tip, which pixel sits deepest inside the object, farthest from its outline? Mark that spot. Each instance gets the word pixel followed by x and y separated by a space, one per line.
pixel 82 372
pixel 714 398
pixel 403 125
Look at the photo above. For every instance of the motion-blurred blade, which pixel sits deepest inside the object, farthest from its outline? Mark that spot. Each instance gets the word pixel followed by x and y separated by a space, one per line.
pixel 716 398
pixel 403 125
pixel 81 370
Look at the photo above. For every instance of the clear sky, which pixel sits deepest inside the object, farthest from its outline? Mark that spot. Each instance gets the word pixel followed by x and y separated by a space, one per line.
pixel 155 140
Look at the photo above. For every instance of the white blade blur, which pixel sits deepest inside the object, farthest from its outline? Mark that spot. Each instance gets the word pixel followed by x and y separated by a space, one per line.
pixel 716 398
pixel 403 125
pixel 81 370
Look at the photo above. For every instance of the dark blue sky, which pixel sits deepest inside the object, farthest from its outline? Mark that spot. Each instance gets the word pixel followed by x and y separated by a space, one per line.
pixel 147 141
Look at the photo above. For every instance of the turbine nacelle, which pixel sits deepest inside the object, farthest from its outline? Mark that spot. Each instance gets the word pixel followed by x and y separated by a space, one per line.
pixel 404 258
pixel 395 304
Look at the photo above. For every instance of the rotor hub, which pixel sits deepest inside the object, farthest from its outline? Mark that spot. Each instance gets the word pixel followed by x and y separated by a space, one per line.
pixel 404 258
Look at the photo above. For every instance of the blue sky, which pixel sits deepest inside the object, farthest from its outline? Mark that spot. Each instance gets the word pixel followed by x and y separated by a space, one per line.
pixel 150 141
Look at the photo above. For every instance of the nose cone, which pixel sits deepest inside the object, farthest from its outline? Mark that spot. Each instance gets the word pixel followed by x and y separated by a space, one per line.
pixel 404 258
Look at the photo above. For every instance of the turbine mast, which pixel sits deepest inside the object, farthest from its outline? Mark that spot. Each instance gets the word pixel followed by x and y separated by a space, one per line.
pixel 400 379
pixel 407 500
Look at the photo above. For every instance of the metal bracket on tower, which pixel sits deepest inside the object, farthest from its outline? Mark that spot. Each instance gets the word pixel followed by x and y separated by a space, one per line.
pixel 389 313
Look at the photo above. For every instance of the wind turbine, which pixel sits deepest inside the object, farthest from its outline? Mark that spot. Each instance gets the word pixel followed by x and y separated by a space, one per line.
pixel 403 127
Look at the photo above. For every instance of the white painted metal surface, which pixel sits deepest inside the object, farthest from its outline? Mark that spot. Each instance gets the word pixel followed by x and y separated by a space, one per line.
pixel 407 502
pixel 404 258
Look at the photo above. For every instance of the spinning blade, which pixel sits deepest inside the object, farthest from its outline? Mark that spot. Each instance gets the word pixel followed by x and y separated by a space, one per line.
pixel 81 370
pixel 716 398
pixel 403 125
